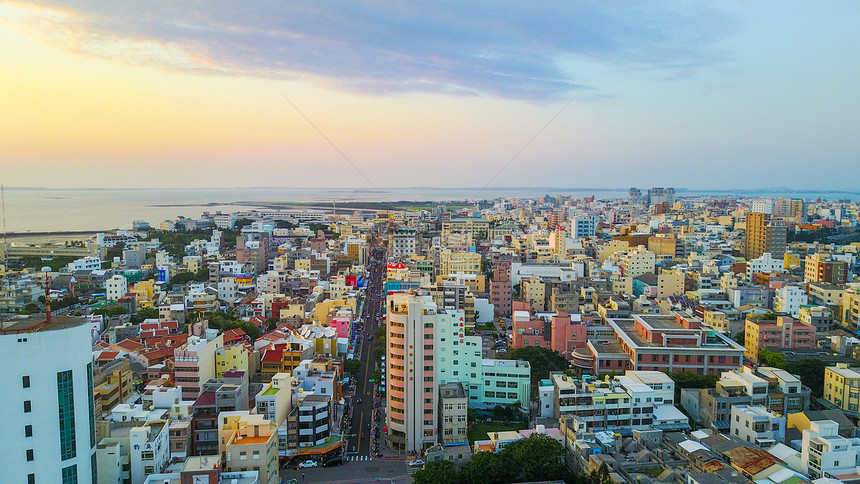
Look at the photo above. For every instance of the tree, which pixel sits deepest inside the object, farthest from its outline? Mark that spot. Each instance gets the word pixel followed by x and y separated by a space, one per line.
pixel 227 321
pixel 772 358
pixel 688 379
pixel 811 373
pixel 540 457
pixel 541 360
pixel 488 467
pixel 740 338
pixel 243 222
pixel 351 366
pixel 143 314
pixel 436 472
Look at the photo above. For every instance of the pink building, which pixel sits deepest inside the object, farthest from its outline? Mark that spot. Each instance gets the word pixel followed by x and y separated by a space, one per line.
pixel 562 332
pixel 660 343
pixel 784 332
pixel 342 326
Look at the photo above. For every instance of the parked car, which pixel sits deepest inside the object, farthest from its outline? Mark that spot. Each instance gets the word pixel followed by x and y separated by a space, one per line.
pixel 334 461
pixel 417 463
pixel 307 464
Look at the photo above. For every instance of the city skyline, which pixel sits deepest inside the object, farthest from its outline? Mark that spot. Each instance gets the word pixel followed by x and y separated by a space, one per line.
pixel 460 96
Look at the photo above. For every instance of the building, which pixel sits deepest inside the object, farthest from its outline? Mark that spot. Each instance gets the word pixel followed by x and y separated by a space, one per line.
pixel 274 402
pixel 500 288
pixel 764 234
pixel 451 262
pixel 842 388
pixel 564 333
pixel 141 448
pixel 453 422
pixel 249 442
pixel 195 363
pixel 757 425
pixel 603 404
pixel 583 226
pixel 782 333
pixel 824 453
pixel 116 287
pixel 660 343
pixel 818 316
pixel 227 395
pixel 789 299
pixel 403 242
pixel 822 268
pixel 48 412
pixel 775 389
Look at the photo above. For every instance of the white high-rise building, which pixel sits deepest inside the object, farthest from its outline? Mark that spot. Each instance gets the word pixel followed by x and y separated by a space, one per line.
pixel 48 409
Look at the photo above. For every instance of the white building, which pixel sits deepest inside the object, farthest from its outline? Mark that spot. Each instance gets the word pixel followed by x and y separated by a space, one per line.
pixel 824 453
pixel 87 263
pixel 788 299
pixel 582 226
pixel 757 425
pixel 48 409
pixel 762 205
pixel 116 287
pixel 765 263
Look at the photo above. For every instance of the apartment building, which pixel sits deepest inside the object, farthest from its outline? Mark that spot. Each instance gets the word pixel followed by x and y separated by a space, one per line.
pixel 500 288
pixel 195 363
pixel 227 395
pixel 757 425
pixel 789 299
pixel 782 333
pixel 453 421
pixel 48 412
pixel 764 234
pixel 775 389
pixel 451 262
pixel 403 242
pixel 842 388
pixel 561 332
pixel 818 316
pixel 823 268
pixel 824 453
pixel 248 442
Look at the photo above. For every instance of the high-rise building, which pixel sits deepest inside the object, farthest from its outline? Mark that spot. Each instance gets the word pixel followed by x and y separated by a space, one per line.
pixel 764 234
pixel 660 195
pixel 48 412
pixel 411 397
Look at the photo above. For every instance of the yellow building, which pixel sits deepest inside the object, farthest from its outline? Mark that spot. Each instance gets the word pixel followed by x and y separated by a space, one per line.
pixel 303 264
pixel 230 358
pixel 842 387
pixel 791 260
pixel 533 291
pixel 145 292
pixel 476 283
pixel 851 307
pixel 115 389
pixel 453 262
pixel 249 442
pixel 323 308
pixel 670 283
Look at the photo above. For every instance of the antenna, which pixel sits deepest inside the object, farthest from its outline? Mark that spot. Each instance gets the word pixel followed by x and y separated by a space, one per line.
pixel 5 234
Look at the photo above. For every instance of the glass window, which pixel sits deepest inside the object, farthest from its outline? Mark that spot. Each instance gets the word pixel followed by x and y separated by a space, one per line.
pixel 70 474
pixel 66 401
pixel 25 381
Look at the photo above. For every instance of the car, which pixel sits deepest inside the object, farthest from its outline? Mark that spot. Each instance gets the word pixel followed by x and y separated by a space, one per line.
pixel 334 461
pixel 501 351
pixel 370 337
pixel 307 464
pixel 417 463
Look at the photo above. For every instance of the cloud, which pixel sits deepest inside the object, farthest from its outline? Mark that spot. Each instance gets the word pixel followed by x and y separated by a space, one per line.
pixel 506 49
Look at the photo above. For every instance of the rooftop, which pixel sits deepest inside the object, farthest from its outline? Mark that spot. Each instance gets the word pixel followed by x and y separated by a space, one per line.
pixel 37 322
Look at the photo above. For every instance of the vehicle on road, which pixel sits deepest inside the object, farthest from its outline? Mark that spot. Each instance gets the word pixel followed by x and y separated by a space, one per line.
pixel 307 464
pixel 334 461
pixel 370 337
pixel 416 464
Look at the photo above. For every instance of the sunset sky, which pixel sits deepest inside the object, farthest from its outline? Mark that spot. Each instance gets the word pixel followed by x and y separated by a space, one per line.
pixel 198 94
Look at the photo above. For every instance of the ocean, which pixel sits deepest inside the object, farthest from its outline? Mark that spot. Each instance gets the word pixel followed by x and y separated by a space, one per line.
pixel 53 210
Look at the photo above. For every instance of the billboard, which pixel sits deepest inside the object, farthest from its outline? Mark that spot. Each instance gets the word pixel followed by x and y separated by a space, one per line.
pixel 244 281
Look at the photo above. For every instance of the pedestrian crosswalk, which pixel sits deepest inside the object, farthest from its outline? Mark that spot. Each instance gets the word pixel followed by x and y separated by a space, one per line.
pixel 358 458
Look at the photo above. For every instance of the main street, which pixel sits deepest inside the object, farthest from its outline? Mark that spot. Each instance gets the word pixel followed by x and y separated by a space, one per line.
pixel 360 465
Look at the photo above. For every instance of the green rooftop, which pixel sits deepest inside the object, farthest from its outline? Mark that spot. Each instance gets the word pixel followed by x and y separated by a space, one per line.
pixel 270 391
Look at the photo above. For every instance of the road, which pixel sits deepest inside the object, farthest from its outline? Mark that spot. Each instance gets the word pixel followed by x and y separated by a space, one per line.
pixel 360 441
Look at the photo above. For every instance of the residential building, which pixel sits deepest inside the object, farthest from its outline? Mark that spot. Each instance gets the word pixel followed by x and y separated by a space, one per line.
pixel 500 288
pixel 818 316
pixel 226 395
pixel 249 442
pixel 403 242
pixel 610 404
pixel 453 424
pixel 789 299
pixel 823 268
pixel 764 234
pixel 274 402
pixel 824 453
pixel 583 226
pixel 451 262
pixel 757 425
pixel 782 333
pixel 116 287
pixel 195 363
pixel 775 389
pixel 842 388
pixel 560 332
pixel 48 412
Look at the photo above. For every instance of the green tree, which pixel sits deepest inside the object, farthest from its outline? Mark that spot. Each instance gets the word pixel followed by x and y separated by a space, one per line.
pixel 740 338
pixel 228 321
pixel 143 314
pixel 111 311
pixel 540 457
pixel 541 360
pixel 351 366
pixel 811 373
pixel 488 467
pixel 436 472
pixel 772 358
pixel 243 222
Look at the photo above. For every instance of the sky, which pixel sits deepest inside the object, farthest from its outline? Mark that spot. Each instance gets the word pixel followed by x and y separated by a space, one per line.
pixel 366 94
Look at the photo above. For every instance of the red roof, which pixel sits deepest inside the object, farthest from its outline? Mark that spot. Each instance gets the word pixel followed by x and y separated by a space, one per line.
pixel 273 355
pixel 158 354
pixel 205 398
pixel 129 344
pixel 108 355
pixel 233 335
pixel 398 265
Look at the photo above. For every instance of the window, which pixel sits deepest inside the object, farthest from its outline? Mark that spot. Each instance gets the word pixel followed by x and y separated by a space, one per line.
pixel 29 455
pixel 66 401
pixel 27 406
pixel 70 474
pixel 25 381
pixel 28 431
pixel 31 478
